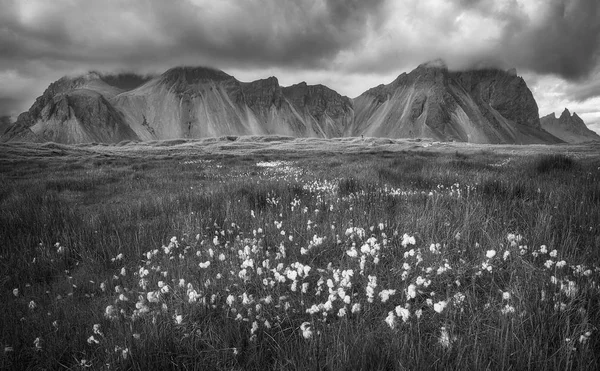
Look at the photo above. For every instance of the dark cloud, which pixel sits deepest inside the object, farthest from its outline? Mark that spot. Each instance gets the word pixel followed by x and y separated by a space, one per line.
pixel 254 32
pixel 8 104
pixel 566 41
pixel 42 40
pixel 586 89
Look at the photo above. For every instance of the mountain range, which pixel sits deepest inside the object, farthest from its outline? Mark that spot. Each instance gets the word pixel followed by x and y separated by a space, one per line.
pixel 569 128
pixel 479 106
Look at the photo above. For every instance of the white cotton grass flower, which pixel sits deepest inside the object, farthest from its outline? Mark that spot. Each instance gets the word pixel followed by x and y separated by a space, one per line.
pixel 32 305
pixel 111 312
pixel 96 329
pixel 385 295
pixel 92 340
pixel 306 330
pixel 178 319
pixel 408 240
pixel 445 340
pixel 411 291
pixel 15 292
pixel 506 295
pixel 507 309
pixel 391 320
pixel 490 254
pixel 356 307
pixel 440 306
pixel 585 337
pixel 403 313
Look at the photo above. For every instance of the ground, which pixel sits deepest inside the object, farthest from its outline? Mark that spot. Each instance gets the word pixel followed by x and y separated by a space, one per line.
pixel 280 253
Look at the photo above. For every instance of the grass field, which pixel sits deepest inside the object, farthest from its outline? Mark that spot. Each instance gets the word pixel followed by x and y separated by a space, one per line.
pixel 272 253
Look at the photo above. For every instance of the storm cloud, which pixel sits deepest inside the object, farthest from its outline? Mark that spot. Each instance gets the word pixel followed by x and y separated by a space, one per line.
pixel 352 43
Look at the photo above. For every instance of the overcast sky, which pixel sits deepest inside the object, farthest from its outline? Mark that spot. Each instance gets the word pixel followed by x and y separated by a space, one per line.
pixel 348 45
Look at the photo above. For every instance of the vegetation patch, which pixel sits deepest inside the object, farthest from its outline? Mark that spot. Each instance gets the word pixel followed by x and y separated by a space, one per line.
pixel 554 162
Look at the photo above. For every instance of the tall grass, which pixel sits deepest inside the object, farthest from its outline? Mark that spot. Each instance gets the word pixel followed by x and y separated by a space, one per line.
pixel 76 241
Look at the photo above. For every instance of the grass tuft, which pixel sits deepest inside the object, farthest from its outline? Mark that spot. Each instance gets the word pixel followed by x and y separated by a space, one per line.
pixel 554 162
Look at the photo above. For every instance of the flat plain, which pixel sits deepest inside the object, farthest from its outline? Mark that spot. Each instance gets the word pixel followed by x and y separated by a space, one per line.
pixel 280 253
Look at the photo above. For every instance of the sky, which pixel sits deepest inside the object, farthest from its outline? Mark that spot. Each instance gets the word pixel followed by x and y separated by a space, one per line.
pixel 348 45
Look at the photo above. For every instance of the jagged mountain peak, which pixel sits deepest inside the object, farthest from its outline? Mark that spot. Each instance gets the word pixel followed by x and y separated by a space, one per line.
pixel 566 112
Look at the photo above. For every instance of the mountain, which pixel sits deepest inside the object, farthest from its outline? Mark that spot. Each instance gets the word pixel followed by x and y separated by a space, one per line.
pixel 479 106
pixel 196 102
pixel 569 128
pixel 76 110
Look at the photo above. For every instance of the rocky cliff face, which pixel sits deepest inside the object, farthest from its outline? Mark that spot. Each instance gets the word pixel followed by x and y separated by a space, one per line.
pixel 481 106
pixel 569 128
pixel 325 109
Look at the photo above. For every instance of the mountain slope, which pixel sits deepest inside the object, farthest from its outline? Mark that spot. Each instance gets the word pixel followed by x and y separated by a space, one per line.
pixel 5 124
pixel 480 106
pixel 569 128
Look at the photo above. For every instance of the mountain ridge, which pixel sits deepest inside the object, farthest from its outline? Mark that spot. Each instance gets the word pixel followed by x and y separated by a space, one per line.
pixel 481 106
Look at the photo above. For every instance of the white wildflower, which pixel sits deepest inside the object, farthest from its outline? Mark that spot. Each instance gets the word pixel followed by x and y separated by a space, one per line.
pixel 440 306
pixel 391 320
pixel 385 295
pixel 403 313
pixel 306 330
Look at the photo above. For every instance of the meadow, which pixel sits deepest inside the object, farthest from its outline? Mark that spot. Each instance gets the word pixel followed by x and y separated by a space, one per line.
pixel 273 253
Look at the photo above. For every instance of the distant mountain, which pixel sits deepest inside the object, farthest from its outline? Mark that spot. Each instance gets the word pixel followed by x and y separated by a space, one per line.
pixel 481 106
pixel 569 128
